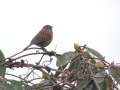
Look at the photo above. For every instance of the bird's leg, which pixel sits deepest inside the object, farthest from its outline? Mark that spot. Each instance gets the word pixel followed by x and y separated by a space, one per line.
pixel 44 49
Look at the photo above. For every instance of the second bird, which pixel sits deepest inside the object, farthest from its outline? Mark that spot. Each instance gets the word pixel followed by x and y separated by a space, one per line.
pixel 43 38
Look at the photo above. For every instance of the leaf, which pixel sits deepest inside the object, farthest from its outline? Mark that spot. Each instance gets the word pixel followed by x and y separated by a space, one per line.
pixel 84 84
pixel 100 76
pixel 64 58
pixel 95 53
pixel 115 72
pixel 2 83
pixel 44 85
pixel 77 64
pixel 15 85
pixel 99 64
pixel 46 82
pixel 2 67
pixel 107 84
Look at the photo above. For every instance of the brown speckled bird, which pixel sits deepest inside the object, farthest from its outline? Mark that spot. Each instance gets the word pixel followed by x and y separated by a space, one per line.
pixel 43 38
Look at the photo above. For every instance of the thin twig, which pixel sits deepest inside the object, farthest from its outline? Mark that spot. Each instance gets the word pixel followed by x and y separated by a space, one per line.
pixel 34 79
pixel 27 55
pixel 44 53
pixel 16 54
pixel 18 64
pixel 21 52
pixel 40 60
pixel 19 78
pixel 34 68
pixel 33 48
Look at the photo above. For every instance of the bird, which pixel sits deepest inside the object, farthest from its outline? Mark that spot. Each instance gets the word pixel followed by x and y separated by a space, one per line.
pixel 43 38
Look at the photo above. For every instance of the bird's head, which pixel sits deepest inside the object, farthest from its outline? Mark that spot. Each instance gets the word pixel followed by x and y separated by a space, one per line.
pixel 48 27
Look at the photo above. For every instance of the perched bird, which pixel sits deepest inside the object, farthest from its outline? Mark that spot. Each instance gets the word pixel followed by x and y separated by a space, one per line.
pixel 43 38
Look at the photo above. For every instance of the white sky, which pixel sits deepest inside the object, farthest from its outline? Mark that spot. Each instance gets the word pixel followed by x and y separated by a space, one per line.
pixel 92 22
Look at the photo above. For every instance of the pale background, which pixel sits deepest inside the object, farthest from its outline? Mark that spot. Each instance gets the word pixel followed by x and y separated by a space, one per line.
pixel 92 22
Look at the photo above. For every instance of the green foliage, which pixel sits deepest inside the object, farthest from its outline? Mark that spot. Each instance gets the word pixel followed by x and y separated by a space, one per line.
pixel 64 58
pixel 100 76
pixel 115 72
pixel 44 85
pixel 2 66
pixel 15 85
pixel 107 84
pixel 12 85
pixel 77 70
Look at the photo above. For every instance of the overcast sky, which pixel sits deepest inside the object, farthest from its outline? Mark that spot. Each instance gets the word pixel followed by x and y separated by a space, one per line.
pixel 92 22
